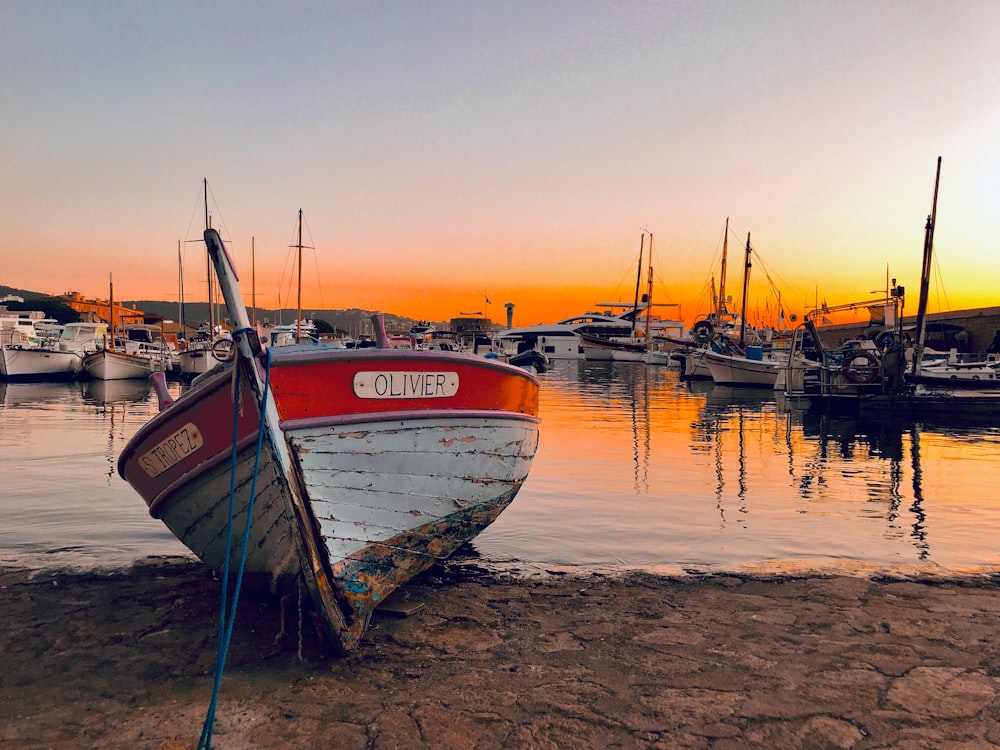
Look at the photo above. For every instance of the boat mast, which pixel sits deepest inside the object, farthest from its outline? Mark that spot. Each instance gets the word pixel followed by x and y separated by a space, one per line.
pixel 180 289
pixel 649 296
pixel 720 305
pixel 638 280
pixel 211 301
pixel 925 275
pixel 746 284
pixel 298 311
pixel 111 309
pixel 253 281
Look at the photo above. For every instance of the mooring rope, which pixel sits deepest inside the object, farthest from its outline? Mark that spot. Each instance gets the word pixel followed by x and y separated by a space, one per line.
pixel 226 622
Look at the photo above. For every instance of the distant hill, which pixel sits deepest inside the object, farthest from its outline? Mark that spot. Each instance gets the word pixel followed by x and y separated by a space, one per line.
pixel 351 321
pixel 51 306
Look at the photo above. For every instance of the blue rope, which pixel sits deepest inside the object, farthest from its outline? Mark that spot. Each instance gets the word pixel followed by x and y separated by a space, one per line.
pixel 226 622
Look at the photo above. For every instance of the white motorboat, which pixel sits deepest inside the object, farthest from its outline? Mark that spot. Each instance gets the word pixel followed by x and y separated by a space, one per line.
pixel 59 359
pixel 756 368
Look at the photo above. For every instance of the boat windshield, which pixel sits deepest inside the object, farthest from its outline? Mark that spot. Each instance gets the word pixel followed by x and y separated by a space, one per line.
pixel 78 333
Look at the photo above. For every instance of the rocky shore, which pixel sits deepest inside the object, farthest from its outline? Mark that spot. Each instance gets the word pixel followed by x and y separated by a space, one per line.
pixel 472 659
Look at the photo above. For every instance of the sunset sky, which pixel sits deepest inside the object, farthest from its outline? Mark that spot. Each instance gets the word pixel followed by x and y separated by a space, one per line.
pixel 446 152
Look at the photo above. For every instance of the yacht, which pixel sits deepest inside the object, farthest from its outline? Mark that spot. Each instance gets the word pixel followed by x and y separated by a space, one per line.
pixel 562 340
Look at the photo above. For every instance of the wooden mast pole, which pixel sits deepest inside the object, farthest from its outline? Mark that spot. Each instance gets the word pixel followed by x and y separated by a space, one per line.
pixel 298 316
pixel 925 276
pixel 746 284
pixel 209 275
pixel 721 309
pixel 649 296
pixel 638 280
pixel 111 309
pixel 180 290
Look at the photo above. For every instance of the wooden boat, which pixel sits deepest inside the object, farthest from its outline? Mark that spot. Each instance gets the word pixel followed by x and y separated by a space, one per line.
pixel 599 348
pixel 357 469
pixel 109 363
pixel 756 368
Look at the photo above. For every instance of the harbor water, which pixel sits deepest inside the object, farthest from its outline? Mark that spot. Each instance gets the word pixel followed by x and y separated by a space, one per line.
pixel 636 470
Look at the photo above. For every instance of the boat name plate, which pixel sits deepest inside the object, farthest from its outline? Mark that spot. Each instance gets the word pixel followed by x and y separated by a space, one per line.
pixel 405 384
pixel 172 450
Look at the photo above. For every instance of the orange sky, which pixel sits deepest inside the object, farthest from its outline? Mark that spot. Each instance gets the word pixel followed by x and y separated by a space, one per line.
pixel 442 154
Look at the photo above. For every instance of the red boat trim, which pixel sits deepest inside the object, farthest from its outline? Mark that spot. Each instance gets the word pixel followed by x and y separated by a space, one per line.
pixel 187 403
pixel 388 416
pixel 312 356
pixel 208 464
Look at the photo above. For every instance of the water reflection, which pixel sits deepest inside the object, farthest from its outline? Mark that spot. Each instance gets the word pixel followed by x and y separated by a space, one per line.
pixel 19 395
pixel 113 392
pixel 895 442
pixel 636 469
pixel 63 502
pixel 118 404
pixel 721 478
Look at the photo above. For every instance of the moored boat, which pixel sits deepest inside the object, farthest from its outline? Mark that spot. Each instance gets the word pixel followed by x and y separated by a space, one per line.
pixel 357 469
pixel 979 374
pixel 757 368
pixel 38 363
pixel 59 359
pixel 108 364
pixel 885 376
pixel 626 349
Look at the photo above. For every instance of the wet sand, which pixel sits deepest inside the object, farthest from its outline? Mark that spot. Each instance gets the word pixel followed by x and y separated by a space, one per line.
pixel 126 659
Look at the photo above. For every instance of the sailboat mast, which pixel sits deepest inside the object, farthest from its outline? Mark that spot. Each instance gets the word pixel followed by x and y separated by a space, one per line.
pixel 209 273
pixel 253 281
pixel 111 309
pixel 925 275
pixel 720 308
pixel 638 280
pixel 298 316
pixel 180 288
pixel 649 296
pixel 746 284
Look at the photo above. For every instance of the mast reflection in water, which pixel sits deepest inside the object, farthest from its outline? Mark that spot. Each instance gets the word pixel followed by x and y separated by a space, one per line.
pixel 727 479
pixel 636 469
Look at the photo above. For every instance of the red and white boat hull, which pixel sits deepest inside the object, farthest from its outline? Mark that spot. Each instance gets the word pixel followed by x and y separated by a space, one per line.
pixel 394 460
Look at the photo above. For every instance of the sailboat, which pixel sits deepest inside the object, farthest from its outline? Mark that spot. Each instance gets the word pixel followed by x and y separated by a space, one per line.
pixel 639 342
pixel 345 471
pixel 902 387
pixel 750 365
pixel 712 330
pixel 301 331
pixel 111 363
pixel 197 356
